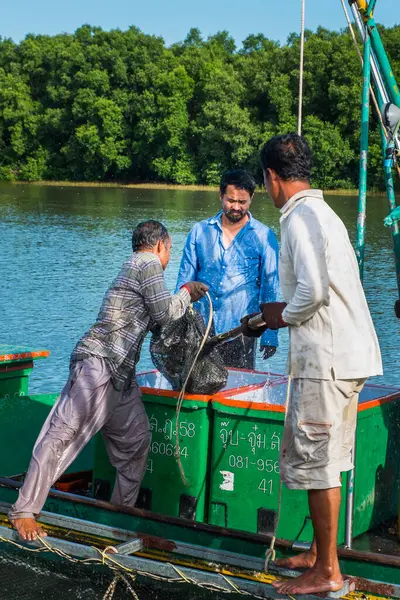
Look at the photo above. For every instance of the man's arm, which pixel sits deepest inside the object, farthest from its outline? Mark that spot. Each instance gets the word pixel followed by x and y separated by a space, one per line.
pixel 188 268
pixel 269 287
pixel 161 306
pixel 307 245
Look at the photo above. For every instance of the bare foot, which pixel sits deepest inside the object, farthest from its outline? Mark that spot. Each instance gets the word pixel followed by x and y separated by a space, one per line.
pixel 29 529
pixel 305 560
pixel 313 581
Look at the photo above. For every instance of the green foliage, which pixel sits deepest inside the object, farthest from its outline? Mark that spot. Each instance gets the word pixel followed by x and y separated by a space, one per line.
pixel 34 168
pixel 6 174
pixel 120 105
pixel 332 154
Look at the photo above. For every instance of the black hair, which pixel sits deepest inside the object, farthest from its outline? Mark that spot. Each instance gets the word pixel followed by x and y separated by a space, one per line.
pixel 241 179
pixel 148 234
pixel 289 156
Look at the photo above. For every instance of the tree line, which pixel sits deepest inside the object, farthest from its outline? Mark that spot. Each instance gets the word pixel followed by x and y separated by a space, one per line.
pixel 122 106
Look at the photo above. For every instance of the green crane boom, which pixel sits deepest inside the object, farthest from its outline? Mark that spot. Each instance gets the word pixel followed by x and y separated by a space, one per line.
pixel 376 62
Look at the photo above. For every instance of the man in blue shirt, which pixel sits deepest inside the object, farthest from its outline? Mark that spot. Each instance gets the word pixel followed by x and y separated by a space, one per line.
pixel 237 257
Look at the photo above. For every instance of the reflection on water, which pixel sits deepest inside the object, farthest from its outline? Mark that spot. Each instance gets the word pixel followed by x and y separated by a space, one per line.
pixel 61 248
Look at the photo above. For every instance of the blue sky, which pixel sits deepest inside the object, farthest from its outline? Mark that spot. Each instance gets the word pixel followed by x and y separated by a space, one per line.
pixel 172 19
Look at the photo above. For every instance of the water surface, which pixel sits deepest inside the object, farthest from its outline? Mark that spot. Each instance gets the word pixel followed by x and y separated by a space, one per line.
pixel 62 247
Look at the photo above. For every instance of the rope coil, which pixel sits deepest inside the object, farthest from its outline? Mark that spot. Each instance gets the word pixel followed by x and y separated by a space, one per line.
pixel 127 575
pixel 270 554
pixel 182 392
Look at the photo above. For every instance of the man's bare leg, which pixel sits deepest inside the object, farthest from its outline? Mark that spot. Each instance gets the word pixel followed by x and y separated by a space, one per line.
pixel 305 560
pixel 28 528
pixel 325 575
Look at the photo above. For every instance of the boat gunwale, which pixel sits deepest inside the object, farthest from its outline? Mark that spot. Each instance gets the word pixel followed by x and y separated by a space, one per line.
pixel 257 538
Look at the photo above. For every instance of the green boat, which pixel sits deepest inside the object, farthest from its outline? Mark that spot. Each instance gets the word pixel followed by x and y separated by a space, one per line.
pixel 215 531
pixel 219 529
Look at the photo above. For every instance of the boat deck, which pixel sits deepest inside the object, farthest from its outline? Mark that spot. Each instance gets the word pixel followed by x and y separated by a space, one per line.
pixel 383 539
pixel 211 557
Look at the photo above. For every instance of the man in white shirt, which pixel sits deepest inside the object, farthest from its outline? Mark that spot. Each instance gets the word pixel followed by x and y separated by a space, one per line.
pixel 333 350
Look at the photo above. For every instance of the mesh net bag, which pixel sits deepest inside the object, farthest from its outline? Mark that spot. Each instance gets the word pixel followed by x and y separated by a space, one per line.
pixel 173 349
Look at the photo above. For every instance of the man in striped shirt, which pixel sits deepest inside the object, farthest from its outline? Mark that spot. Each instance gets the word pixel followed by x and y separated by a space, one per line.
pixel 102 392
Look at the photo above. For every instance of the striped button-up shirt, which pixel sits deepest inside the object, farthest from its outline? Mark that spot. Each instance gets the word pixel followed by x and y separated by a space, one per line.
pixel 136 300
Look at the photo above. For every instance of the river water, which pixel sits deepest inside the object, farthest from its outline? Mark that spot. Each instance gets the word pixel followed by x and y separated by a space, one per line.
pixel 62 246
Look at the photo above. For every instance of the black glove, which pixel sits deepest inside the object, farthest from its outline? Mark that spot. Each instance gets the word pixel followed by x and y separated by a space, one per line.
pixel 272 314
pixel 196 289
pixel 247 331
pixel 268 351
pixel 397 309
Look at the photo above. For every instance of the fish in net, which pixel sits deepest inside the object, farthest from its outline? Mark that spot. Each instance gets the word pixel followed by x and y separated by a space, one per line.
pixel 173 349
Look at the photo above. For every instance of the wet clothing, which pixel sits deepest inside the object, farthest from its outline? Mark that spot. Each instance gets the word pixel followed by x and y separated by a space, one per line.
pixel 333 344
pixel 239 277
pixel 137 299
pixel 102 392
pixel 88 403
pixel 332 334
pixel 319 432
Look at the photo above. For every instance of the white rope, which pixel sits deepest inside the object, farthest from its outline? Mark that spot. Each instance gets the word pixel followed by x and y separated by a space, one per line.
pixel 353 36
pixel 128 575
pixel 371 89
pixel 182 392
pixel 300 115
pixel 271 554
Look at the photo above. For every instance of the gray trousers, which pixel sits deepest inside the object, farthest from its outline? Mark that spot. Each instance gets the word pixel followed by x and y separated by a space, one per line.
pixel 88 403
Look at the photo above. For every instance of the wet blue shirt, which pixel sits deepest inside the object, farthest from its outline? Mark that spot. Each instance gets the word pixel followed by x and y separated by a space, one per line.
pixel 240 277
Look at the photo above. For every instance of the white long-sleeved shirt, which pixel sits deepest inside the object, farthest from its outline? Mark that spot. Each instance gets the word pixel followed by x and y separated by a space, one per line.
pixel 331 330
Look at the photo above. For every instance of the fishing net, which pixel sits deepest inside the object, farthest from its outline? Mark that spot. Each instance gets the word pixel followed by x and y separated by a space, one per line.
pixel 173 349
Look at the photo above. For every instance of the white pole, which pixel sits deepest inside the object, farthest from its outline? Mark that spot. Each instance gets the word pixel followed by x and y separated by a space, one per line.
pixel 300 115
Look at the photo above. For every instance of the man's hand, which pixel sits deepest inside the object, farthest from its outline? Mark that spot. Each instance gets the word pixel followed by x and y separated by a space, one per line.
pixel 272 314
pixel 268 351
pixel 196 289
pixel 248 331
